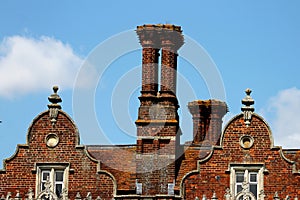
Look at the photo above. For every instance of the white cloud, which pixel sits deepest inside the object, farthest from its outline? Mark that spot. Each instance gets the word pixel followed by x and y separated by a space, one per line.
pixel 284 113
pixel 33 64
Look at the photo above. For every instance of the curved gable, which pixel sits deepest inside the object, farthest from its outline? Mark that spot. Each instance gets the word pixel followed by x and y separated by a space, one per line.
pixel 258 130
pixel 53 145
pixel 64 128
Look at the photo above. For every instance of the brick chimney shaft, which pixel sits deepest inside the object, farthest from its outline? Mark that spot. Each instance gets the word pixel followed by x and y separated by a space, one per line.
pixel 169 38
pixel 150 41
pixel 171 41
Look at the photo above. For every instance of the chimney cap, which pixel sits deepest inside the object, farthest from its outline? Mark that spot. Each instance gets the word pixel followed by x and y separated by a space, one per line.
pixel 207 103
pixel 170 27
pixel 211 105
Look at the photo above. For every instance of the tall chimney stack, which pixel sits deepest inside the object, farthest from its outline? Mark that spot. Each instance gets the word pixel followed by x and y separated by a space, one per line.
pixel 157 124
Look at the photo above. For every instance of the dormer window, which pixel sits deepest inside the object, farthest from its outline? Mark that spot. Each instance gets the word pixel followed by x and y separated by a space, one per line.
pixel 246 181
pixel 56 178
pixel 55 175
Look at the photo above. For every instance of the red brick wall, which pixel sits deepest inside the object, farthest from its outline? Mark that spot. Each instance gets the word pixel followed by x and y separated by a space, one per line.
pixel 20 170
pixel 278 178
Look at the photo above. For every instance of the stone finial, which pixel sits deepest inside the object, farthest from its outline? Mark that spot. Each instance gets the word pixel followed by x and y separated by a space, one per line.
pixel 214 197
pixel 18 196
pixel 8 196
pixel 30 194
pixel 89 196
pixel 248 109
pixel 54 99
pixel 276 196
pixel 54 106
pixel 78 196
pixel 228 194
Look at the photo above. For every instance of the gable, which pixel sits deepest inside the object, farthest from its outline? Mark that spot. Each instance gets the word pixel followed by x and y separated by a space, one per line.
pixel 239 136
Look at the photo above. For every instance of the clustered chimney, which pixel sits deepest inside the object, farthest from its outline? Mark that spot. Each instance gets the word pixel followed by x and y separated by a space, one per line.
pixel 169 39
pixel 207 121
pixel 158 132
pixel 158 123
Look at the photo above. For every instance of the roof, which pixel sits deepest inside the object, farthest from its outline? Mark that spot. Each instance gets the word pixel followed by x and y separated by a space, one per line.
pixel 119 160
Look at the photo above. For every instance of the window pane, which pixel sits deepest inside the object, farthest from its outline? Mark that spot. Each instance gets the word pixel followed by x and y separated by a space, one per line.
pixel 58 189
pixel 253 189
pixel 238 188
pixel 43 186
pixel 59 176
pixel 253 177
pixel 45 174
pixel 240 177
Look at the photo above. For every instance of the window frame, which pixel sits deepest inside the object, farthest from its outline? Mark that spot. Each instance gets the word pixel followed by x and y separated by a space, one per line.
pixel 238 183
pixel 52 168
pixel 247 169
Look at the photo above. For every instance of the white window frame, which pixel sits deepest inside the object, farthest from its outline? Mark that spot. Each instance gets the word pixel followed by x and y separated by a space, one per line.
pixel 240 183
pixel 52 169
pixel 247 169
pixel 253 182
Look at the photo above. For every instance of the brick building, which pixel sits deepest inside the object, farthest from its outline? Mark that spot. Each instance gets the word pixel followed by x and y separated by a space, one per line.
pixel 240 162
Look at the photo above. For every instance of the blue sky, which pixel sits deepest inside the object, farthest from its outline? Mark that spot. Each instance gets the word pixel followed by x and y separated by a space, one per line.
pixel 253 44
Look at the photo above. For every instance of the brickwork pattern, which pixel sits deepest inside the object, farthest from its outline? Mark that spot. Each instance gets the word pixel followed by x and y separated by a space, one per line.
pixel 150 69
pixel 207 120
pixel 168 72
pixel 84 176
pixel 279 176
